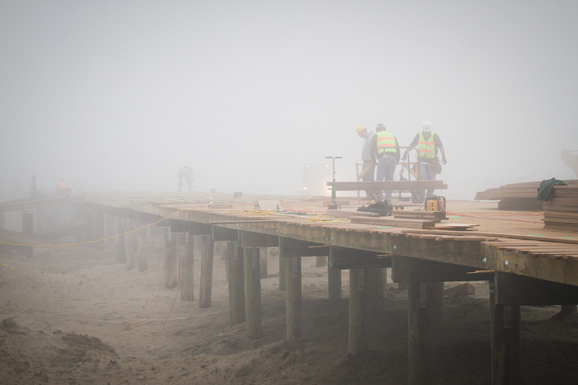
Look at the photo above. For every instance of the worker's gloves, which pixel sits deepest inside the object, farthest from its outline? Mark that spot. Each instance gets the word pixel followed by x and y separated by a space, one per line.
pixel 404 157
pixel 444 160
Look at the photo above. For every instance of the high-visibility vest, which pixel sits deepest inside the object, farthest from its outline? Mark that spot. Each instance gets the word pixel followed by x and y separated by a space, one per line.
pixel 62 185
pixel 386 142
pixel 32 187
pixel 426 148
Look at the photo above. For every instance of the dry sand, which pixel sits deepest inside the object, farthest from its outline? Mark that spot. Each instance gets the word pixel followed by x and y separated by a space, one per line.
pixel 67 319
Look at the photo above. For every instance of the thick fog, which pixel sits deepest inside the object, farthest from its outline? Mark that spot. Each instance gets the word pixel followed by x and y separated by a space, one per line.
pixel 119 95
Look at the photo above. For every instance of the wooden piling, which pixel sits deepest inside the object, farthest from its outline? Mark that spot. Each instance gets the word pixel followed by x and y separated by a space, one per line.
pixel 129 240
pixel 143 250
pixel 236 279
pixel 170 269
pixel 568 309
pixel 98 228
pixel 121 256
pixel 282 273
pixel 437 302
pixel 110 231
pixel 334 283
pixel 206 272
pixel 374 286
pixel 419 332
pixel 505 342
pixel 264 260
pixel 358 311
pixel 187 274
pixel 27 231
pixel 252 291
pixel 293 295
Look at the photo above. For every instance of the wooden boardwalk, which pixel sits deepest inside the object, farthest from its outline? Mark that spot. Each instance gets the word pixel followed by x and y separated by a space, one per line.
pixel 524 263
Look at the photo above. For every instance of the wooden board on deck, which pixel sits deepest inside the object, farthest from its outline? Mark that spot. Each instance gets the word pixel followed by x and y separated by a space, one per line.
pixel 385 221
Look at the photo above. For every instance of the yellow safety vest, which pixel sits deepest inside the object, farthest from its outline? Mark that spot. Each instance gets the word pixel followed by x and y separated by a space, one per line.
pixel 386 142
pixel 426 148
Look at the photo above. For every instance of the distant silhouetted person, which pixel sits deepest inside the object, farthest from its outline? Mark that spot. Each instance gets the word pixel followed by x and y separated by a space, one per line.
pixel 62 188
pixel 34 193
pixel 185 174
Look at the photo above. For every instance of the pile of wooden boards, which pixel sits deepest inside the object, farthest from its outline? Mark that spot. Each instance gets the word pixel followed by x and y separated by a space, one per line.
pixel 402 218
pixel 561 211
pixel 516 196
pixel 436 216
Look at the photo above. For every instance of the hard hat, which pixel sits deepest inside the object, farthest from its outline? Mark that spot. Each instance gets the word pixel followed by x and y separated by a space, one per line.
pixel 426 126
pixel 359 128
pixel 380 127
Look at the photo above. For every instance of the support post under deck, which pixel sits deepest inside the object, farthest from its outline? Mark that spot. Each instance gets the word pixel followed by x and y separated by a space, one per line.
pixel 252 291
pixel 28 230
pixel 236 279
pixel 264 260
pixel 293 294
pixel 206 272
pixel 129 244
pixel 121 240
pixel 358 310
pixel 170 269
pixel 437 302
pixel 334 283
pixel 282 273
pixel 505 342
pixel 187 275
pixel 420 332
pixel 143 249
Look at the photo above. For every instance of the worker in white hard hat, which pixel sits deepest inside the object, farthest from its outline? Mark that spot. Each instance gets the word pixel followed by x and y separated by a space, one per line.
pixel 427 144
pixel 368 157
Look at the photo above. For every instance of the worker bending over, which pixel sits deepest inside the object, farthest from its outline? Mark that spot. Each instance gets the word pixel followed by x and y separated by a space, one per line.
pixel 185 174
pixel 387 156
pixel 368 157
pixel 427 143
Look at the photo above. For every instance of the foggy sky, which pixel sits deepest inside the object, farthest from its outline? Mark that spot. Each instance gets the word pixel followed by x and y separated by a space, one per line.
pixel 118 95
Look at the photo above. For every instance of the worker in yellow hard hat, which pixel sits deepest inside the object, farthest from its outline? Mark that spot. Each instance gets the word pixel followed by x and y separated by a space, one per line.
pixel 368 157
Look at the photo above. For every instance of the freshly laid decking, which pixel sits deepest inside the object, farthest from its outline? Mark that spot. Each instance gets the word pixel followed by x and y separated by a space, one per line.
pixel 524 263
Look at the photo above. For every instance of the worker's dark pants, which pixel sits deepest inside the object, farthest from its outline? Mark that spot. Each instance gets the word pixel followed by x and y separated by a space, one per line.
pixel 369 176
pixel 188 180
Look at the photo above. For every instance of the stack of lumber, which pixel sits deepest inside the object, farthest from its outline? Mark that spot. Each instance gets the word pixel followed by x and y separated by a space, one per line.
pixel 561 211
pixel 436 216
pixel 516 196
pixel 349 213
pixel 388 221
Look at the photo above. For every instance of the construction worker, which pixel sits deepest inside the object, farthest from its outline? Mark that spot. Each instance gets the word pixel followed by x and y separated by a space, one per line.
pixel 62 188
pixel 34 192
pixel 368 157
pixel 427 143
pixel 185 174
pixel 387 155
